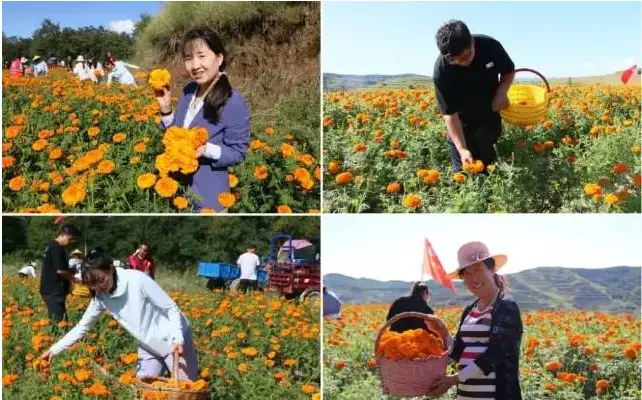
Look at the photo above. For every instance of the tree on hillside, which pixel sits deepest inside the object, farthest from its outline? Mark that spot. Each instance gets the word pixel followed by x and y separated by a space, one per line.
pixel 46 40
pixel 13 46
pixel 140 26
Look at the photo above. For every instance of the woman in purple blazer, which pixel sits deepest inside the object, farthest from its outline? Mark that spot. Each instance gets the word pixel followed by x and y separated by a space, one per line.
pixel 211 103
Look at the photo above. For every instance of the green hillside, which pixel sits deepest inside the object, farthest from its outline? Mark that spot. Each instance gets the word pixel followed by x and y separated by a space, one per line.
pixel 614 289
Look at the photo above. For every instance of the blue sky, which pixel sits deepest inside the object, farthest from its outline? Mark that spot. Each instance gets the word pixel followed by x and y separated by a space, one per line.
pixel 23 18
pixel 557 38
pixel 390 247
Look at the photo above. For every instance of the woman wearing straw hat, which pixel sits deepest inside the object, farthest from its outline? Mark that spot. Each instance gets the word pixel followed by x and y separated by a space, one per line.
pixel 143 309
pixel 39 66
pixel 79 68
pixel 486 347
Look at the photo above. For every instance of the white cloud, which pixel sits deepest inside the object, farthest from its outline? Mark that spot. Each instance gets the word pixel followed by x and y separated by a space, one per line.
pixel 125 25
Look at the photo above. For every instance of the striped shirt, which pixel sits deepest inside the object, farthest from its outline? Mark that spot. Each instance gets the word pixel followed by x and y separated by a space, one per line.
pixel 475 333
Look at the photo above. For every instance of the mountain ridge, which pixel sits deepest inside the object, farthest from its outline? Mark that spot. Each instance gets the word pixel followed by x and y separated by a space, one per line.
pixel 614 289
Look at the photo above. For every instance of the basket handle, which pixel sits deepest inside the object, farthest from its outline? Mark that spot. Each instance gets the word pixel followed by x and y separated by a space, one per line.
pixel 175 374
pixel 429 319
pixel 548 87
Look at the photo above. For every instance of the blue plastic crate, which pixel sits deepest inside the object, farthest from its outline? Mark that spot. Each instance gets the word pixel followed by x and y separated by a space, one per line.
pixel 261 278
pixel 218 270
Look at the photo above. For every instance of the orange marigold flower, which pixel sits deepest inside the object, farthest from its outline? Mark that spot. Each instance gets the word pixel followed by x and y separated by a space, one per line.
pixel 592 189
pixel 180 202
pixel 226 199
pixel 166 187
pixel 261 172
pixel 93 131
pixel 74 194
pixel 233 180
pixel 146 181
pixel 412 201
pixel 106 167
pixel 393 187
pixel 459 177
pixel 333 167
pixel 159 78
pixel 17 183
pixel 283 209
pixel 344 178
pixel 119 137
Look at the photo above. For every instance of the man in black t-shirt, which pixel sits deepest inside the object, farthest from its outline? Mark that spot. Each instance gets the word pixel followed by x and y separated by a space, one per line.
pixel 469 92
pixel 56 275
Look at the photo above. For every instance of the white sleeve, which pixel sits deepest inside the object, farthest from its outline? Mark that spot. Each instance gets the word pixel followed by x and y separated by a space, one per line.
pixel 258 261
pixel 167 119
pixel 131 65
pixel 86 322
pixel 160 299
pixel 212 151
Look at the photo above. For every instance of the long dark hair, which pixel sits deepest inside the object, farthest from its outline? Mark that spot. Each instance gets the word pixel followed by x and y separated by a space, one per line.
pixel 418 289
pixel 222 90
pixel 95 266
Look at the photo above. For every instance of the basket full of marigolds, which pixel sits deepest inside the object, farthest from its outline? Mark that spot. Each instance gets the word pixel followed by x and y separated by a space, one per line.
pixel 408 363
pixel 172 389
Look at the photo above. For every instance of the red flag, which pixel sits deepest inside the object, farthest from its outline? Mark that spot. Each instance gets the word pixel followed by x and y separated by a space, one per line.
pixel 433 266
pixel 59 218
pixel 626 75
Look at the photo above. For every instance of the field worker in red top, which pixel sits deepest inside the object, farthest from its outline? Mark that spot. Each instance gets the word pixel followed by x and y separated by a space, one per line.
pixel 141 260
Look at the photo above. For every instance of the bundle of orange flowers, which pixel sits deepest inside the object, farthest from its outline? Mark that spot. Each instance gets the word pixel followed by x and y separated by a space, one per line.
pixel 159 78
pixel 150 394
pixel 180 150
pixel 411 344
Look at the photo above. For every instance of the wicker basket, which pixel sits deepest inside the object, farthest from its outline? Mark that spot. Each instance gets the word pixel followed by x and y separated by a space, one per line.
pixel 80 290
pixel 170 393
pixel 528 104
pixel 411 378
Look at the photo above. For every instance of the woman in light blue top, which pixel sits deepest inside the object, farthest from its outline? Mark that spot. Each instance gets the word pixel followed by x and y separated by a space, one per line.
pixel 143 309
pixel 40 66
pixel 118 71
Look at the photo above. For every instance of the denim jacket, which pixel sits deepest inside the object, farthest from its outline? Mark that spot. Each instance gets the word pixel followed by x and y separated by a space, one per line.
pixel 502 354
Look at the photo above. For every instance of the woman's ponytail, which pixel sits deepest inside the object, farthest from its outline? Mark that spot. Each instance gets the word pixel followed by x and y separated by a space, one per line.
pixel 217 97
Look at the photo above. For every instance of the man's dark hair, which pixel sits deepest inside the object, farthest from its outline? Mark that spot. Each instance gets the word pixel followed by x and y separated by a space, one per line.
pixel 453 38
pixel 70 230
pixel 418 289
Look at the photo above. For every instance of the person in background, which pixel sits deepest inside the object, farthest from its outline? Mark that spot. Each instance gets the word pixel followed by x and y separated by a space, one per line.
pixel 417 301
pixel 472 76
pixel 40 66
pixel 56 275
pixel 75 262
pixel 79 68
pixel 143 309
pixel 28 270
pixel 96 71
pixel 117 70
pixel 16 67
pixel 142 261
pixel 487 345
pixel 248 262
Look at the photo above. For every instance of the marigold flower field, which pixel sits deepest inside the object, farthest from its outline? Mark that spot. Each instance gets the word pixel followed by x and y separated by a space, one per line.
pixel 70 146
pixel 568 355
pixel 254 346
pixel 386 151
